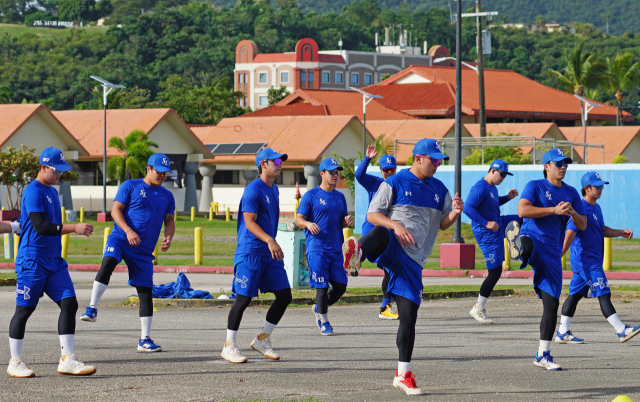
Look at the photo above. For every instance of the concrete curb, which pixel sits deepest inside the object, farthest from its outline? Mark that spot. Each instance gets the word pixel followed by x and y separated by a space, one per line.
pixel 8 282
pixel 133 300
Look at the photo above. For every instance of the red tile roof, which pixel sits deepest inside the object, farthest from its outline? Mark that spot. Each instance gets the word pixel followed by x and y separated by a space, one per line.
pixel 507 94
pixel 417 99
pixel 291 58
pixel 294 109
pixel 615 141
pixel 343 103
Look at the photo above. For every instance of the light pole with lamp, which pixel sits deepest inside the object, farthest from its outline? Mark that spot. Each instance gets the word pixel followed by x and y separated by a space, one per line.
pixel 102 217
pixel 365 102
pixel 588 106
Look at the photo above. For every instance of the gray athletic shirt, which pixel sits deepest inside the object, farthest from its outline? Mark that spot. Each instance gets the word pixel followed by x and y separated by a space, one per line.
pixel 417 205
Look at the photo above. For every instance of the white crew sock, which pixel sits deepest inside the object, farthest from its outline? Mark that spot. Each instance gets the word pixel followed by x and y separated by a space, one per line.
pixel 268 328
pixel 16 347
pixel 231 336
pixel 403 367
pixel 614 320
pixel 66 344
pixel 565 321
pixel 96 293
pixel 482 301
pixel 544 347
pixel 324 318
pixel 145 324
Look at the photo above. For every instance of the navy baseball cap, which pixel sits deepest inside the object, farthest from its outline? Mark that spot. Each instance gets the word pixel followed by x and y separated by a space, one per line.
pixel 501 165
pixel 388 162
pixel 268 154
pixel 330 164
pixel 427 146
pixel 592 179
pixel 555 155
pixel 55 158
pixel 159 162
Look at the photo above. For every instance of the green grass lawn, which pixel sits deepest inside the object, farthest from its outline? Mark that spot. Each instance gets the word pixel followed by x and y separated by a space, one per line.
pixel 19 30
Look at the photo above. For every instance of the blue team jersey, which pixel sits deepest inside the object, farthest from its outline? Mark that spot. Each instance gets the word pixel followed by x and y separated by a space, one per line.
pixel 587 249
pixel 37 197
pixel 369 182
pixel 144 212
pixel 549 229
pixel 264 201
pixel 327 210
pixel 482 205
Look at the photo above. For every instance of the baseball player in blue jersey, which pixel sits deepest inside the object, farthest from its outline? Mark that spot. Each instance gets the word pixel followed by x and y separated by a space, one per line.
pixel 40 269
pixel 258 263
pixel 371 184
pixel 322 214
pixel 587 255
pixel 407 211
pixel 140 208
pixel 546 206
pixel 482 206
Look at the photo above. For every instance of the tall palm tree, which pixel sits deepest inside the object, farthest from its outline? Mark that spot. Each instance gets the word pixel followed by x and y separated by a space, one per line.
pixel 582 70
pixel 6 94
pixel 622 75
pixel 607 16
pixel 541 21
pixel 135 147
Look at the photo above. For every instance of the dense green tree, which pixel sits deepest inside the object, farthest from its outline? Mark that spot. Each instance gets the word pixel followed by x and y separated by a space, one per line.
pixel 622 75
pixel 275 95
pixel 6 94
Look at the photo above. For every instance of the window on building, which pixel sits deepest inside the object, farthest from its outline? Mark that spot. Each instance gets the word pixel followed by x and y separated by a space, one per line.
pixel 303 76
pixel 241 102
pixel 245 102
pixel 284 76
pixel 264 101
pixel 246 78
pixel 338 78
pixel 240 78
pixel 298 177
pixel 310 77
pixel 279 179
pixel 263 78
pixel 367 79
pixel 226 177
pixel 354 78
pixel 325 78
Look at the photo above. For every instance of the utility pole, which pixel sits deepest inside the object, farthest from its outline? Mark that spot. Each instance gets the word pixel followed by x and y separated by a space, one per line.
pixel 457 228
pixel 481 101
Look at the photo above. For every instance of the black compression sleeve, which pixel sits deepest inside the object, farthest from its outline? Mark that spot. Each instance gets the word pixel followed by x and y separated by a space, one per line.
pixel 42 227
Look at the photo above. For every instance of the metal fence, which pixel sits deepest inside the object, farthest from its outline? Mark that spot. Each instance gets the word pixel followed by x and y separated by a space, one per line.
pixel 539 146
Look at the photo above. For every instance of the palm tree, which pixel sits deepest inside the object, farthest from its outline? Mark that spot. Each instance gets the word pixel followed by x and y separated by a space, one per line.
pixel 622 75
pixel 6 94
pixel 541 21
pixel 135 147
pixel 606 17
pixel 582 70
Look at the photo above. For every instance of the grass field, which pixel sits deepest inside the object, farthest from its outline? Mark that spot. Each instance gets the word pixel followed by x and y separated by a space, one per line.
pixel 19 30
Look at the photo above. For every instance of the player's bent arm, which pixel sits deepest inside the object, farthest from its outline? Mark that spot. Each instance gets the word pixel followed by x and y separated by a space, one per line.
pixel 449 220
pixel 527 210
pixel 117 213
pixel 250 222
pixel 301 221
pixel 568 239
pixel 169 226
pixel 608 232
pixel 579 220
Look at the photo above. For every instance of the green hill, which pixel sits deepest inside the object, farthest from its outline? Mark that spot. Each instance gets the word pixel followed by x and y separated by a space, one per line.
pixel 625 14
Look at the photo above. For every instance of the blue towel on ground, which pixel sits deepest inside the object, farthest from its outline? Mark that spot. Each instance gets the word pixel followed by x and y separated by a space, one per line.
pixel 180 289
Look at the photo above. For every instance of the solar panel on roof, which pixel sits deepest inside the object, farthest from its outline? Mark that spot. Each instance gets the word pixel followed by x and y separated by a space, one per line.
pixel 238 148
pixel 250 148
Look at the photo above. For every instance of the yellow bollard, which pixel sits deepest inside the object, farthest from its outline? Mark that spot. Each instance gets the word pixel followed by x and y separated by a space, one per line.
pixel 215 207
pixel 16 240
pixel 228 214
pixel 107 232
pixel 198 246
pixel 65 245
pixel 81 214
pixel 506 264
pixel 155 254
pixel 607 254
pixel 210 214
pixel 193 214
pixel 295 213
pixel 64 215
pixel 175 214
pixel 564 260
pixel 3 208
pixel 346 232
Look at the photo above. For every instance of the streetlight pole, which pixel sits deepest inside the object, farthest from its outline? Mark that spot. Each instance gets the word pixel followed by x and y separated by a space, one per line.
pixel 457 232
pixel 105 93
pixel 365 102
pixel 483 111
pixel 588 106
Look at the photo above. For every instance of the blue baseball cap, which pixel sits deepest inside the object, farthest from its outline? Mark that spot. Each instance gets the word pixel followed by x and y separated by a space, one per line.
pixel 330 164
pixel 55 158
pixel 268 154
pixel 592 179
pixel 388 162
pixel 159 162
pixel 501 165
pixel 555 155
pixel 428 146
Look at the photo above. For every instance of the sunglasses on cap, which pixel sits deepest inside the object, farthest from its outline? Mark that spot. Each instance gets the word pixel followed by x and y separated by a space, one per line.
pixel 55 171
pixel 333 172
pixel 435 162
pixel 559 164
pixel 390 170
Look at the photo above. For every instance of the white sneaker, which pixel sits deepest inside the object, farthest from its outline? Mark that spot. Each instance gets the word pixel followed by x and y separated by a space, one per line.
pixel 231 353
pixel 407 383
pixel 69 365
pixel 480 315
pixel 351 253
pixel 546 362
pixel 263 346
pixel 18 369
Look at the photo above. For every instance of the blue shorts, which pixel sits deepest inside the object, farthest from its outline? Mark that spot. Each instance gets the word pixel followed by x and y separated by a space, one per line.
pixel 325 267
pixel 258 272
pixel 139 264
pixel 39 275
pixel 405 275
pixel 492 244
pixel 592 278
pixel 547 270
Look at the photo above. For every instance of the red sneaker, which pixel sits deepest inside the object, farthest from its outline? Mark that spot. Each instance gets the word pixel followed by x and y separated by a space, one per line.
pixel 407 383
pixel 351 253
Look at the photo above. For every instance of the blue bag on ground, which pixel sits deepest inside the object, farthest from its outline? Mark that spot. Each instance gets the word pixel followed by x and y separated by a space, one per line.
pixel 180 289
